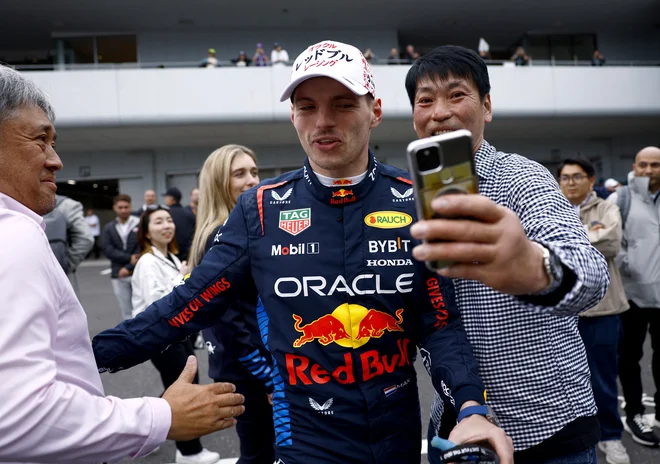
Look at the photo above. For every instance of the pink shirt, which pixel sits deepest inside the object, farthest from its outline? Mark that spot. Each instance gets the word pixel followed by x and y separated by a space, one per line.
pixel 52 405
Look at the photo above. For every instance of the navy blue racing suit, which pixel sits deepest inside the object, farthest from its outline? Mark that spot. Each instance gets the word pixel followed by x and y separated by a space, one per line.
pixel 346 306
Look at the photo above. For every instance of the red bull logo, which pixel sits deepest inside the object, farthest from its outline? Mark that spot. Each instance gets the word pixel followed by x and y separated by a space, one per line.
pixel 342 182
pixel 341 193
pixel 325 329
pixel 376 323
pixel 342 196
pixel 349 325
pixel 370 363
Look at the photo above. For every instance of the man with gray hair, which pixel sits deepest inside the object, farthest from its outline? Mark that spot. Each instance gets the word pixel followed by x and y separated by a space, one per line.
pixel 53 407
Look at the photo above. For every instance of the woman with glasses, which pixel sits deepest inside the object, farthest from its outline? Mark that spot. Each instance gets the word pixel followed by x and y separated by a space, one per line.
pixel 236 351
pixel 156 273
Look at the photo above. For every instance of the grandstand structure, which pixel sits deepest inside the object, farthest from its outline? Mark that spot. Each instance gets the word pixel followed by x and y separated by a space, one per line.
pixel 135 110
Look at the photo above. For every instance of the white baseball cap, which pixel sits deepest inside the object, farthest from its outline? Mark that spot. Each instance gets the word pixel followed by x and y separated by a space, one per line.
pixel 611 183
pixel 339 61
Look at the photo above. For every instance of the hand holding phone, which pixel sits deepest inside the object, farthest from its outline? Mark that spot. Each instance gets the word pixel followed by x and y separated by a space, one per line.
pixel 441 165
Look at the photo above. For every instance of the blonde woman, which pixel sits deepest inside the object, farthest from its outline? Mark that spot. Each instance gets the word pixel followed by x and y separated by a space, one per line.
pixel 236 351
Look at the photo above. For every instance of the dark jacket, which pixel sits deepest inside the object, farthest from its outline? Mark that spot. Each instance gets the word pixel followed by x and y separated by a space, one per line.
pixel 236 335
pixel 184 220
pixel 114 249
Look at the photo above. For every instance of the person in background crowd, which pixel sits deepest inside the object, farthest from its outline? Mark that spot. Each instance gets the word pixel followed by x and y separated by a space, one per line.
pixel 94 225
pixel 149 199
pixel 236 350
pixel 370 56
pixel 484 49
pixel 52 407
pixel 410 54
pixel 184 220
pixel 511 279
pixel 242 60
pixel 600 326
pixel 210 61
pixel 520 57
pixel 611 185
pixel 597 59
pixel 121 248
pixel 71 235
pixel 194 201
pixel 156 273
pixel 639 262
pixel 260 58
pixel 393 57
pixel 279 56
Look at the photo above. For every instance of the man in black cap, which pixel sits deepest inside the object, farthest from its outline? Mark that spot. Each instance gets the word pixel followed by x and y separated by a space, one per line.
pixel 184 221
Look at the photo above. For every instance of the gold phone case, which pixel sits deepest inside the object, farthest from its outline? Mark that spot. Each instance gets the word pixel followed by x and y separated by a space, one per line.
pixel 455 174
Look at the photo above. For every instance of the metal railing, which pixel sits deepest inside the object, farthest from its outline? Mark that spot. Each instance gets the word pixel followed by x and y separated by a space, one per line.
pixel 232 64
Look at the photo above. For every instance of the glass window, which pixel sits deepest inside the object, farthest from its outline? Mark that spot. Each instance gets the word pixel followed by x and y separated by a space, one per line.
pixel 117 49
pixel 561 47
pixel 584 46
pixel 78 50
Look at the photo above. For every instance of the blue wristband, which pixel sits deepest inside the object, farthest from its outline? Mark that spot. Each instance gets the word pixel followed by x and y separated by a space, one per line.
pixel 471 410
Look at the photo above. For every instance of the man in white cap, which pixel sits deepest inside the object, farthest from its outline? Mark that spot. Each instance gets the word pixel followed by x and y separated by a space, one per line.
pixel 328 250
pixel 611 185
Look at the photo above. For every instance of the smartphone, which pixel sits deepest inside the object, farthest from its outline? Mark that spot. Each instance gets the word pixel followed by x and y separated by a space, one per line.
pixel 440 165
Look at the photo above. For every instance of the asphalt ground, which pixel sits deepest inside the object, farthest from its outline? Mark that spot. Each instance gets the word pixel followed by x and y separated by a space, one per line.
pixel 103 312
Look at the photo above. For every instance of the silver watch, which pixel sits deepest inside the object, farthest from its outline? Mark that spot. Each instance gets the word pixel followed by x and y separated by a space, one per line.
pixel 553 270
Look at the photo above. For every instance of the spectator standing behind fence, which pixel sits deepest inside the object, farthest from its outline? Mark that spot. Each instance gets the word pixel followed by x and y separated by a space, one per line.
pixel 484 49
pixel 393 57
pixel 242 60
pixel 156 273
pixel 597 59
pixel 94 225
pixel 600 326
pixel 260 58
pixel 410 54
pixel 121 248
pixel 210 61
pixel 279 56
pixel 520 57
pixel 370 56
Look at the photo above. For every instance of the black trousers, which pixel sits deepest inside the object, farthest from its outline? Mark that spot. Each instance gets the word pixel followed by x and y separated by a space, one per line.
pixel 170 363
pixel 635 323
pixel 254 427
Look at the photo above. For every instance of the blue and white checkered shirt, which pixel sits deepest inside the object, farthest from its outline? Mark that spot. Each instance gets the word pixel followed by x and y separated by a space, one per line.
pixel 531 358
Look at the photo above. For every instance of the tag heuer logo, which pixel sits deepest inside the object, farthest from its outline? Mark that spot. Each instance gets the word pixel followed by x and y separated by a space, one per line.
pixel 281 199
pixel 296 220
pixel 405 196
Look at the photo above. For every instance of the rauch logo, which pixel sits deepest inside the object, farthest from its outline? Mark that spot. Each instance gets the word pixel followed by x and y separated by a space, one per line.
pixel 388 219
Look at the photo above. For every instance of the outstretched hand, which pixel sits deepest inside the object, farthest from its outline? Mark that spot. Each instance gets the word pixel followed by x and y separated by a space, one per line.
pixel 198 410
